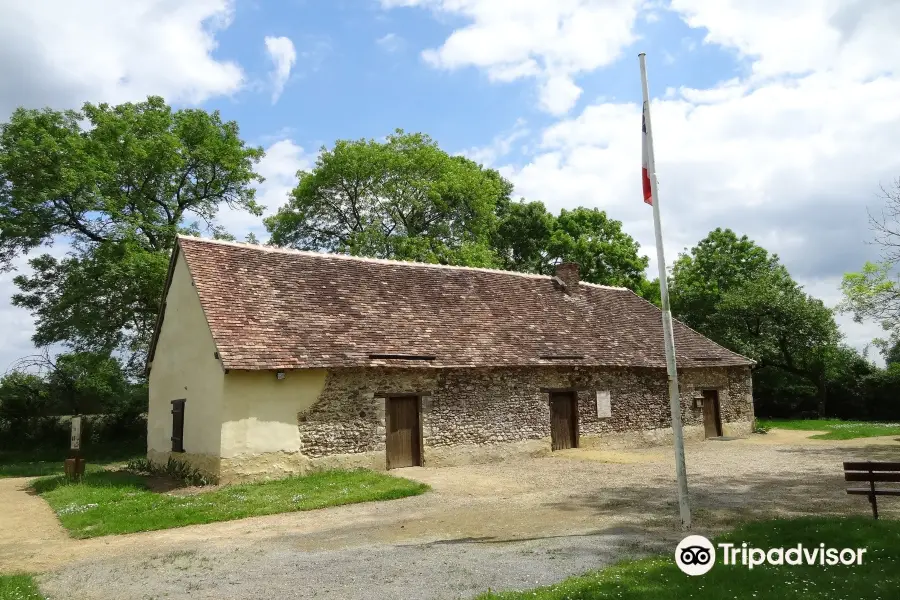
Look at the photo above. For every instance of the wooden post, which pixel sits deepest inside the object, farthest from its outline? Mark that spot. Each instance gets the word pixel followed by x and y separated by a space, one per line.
pixel 872 497
pixel 74 465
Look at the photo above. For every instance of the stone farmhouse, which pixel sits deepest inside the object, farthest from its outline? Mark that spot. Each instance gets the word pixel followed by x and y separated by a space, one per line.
pixel 268 361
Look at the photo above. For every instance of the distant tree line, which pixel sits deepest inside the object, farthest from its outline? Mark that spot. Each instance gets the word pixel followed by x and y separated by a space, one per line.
pixel 118 183
pixel 39 392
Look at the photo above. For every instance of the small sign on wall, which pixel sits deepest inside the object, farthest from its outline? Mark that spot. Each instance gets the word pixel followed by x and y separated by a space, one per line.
pixel 76 434
pixel 603 408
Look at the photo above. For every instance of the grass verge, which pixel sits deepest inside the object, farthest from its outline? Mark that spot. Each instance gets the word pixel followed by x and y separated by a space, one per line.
pixel 18 587
pixel 111 502
pixel 658 578
pixel 835 429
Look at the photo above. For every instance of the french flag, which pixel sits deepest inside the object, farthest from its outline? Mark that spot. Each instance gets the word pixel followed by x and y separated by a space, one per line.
pixel 645 164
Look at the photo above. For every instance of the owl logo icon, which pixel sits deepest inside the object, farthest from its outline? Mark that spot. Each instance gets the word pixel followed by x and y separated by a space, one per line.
pixel 695 555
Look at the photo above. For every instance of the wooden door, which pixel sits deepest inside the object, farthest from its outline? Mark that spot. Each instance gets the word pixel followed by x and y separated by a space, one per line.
pixel 404 442
pixel 563 420
pixel 712 421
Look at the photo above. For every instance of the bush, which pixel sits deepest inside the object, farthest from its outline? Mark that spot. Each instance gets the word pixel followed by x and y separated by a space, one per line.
pixel 52 434
pixel 33 406
pixel 173 468
pixel 882 389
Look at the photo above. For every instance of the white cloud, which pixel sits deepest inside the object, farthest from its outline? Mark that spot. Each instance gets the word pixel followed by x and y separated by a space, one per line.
pixel 61 53
pixel 500 146
pixel 390 42
pixel 17 323
pixel 559 94
pixel 279 167
pixel 730 159
pixel 550 41
pixel 855 38
pixel 283 56
pixel 792 160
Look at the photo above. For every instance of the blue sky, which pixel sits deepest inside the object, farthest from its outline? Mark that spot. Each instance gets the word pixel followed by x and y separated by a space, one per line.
pixel 348 84
pixel 776 119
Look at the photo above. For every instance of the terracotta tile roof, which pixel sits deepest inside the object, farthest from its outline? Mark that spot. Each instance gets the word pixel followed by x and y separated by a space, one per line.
pixel 284 309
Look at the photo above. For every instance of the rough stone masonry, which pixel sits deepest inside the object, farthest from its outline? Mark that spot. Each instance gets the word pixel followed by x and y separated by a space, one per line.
pixel 485 406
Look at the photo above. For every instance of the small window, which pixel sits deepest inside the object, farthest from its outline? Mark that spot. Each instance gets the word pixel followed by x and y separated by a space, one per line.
pixel 178 425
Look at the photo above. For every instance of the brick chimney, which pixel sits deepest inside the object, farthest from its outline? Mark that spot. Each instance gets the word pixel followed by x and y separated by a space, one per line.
pixel 567 272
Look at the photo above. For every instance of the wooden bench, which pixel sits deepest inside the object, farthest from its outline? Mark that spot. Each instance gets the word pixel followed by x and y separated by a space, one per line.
pixel 872 472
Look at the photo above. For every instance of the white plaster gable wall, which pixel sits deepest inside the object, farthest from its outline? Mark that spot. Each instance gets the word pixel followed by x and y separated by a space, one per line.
pixel 185 366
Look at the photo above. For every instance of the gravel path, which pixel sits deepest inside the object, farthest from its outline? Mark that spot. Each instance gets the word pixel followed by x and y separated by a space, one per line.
pixel 508 525
pixel 27 526
pixel 439 570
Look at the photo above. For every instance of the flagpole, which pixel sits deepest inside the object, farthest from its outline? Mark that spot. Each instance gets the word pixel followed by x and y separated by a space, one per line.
pixel 674 397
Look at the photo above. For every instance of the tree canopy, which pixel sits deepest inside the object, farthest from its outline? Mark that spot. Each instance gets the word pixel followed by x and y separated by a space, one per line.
pixel 117 183
pixel 69 383
pixel 873 293
pixel 739 295
pixel 720 263
pixel 529 238
pixel 403 198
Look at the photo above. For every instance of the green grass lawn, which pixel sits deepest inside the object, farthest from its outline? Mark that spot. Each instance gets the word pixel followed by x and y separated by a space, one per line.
pixel 658 578
pixel 835 429
pixel 50 462
pixel 111 502
pixel 18 587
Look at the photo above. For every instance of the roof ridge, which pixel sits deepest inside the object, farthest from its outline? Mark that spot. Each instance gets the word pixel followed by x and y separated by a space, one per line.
pixel 385 261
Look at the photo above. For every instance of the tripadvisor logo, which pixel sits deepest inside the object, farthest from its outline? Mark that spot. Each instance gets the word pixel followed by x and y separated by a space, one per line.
pixel 696 555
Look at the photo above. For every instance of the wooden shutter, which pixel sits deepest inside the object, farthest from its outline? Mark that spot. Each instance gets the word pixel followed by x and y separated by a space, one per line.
pixel 178 425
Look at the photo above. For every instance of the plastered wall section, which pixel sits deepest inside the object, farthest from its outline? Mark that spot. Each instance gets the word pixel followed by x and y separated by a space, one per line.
pixel 185 366
pixel 260 437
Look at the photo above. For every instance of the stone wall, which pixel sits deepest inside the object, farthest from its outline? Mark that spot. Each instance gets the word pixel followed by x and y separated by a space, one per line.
pixel 478 407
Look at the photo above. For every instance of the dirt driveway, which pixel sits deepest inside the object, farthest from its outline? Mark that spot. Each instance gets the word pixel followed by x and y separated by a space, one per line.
pixel 499 526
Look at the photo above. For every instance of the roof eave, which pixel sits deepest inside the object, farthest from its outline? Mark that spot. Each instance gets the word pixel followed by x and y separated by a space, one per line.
pixel 162 308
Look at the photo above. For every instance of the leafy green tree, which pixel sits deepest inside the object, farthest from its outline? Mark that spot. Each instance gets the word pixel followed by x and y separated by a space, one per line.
pixel 880 389
pixel 88 382
pixel 892 355
pixel 650 292
pixel 597 243
pixel 63 295
pixel 873 293
pixel 529 238
pixel 735 292
pixel 407 199
pixel 79 382
pixel 23 395
pixel 403 198
pixel 846 373
pixel 522 236
pixel 117 183
pixel 718 264
pixel 771 320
